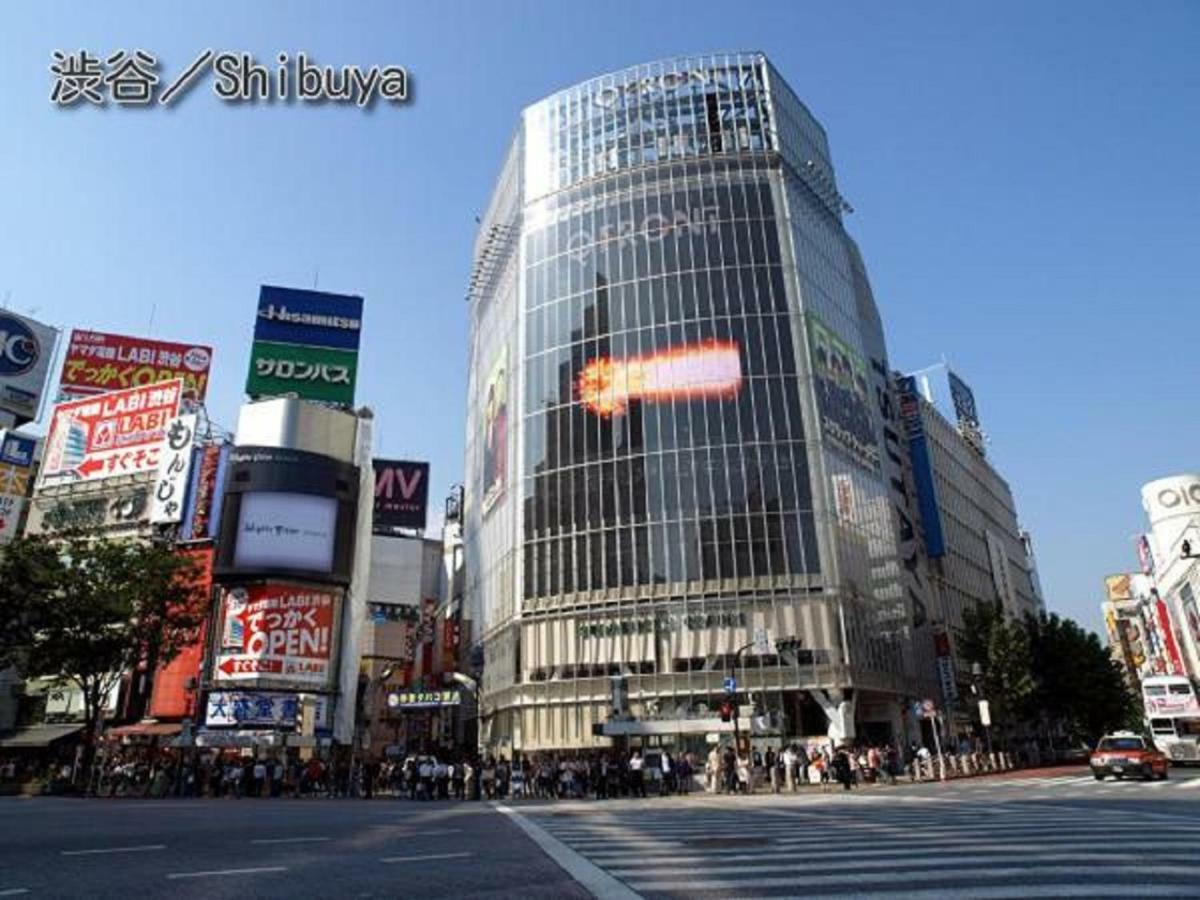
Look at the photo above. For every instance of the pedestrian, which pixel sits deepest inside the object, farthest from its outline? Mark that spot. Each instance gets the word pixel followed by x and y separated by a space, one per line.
pixel 772 771
pixel 637 774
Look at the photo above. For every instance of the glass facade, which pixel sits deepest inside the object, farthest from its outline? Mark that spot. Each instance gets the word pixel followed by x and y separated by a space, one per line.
pixel 674 441
pixel 663 435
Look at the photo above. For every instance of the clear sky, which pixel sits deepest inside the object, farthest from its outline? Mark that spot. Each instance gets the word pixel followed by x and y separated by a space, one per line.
pixel 1026 180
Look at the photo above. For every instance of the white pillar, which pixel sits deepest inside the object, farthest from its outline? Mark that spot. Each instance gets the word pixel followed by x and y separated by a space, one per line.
pixel 839 710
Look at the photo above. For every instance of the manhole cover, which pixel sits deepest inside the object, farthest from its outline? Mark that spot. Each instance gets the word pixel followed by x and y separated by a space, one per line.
pixel 720 842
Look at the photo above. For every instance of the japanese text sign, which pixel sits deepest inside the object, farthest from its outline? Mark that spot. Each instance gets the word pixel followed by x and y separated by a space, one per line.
pixel 108 435
pixel 174 466
pixel 277 632
pixel 96 363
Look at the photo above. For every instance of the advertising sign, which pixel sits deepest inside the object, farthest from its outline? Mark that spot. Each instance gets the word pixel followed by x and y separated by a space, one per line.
pixel 203 509
pixel 111 434
pixel 313 373
pixel 277 632
pixel 401 495
pixel 10 515
pixel 1118 588
pixel 495 432
pixel 945 664
pixel 311 318
pixel 97 363
pixel 843 399
pixel 16 462
pixel 26 348
pixel 914 430
pixel 282 530
pixel 965 411
pixel 174 466
pixel 422 699
pixel 240 708
pixel 1145 554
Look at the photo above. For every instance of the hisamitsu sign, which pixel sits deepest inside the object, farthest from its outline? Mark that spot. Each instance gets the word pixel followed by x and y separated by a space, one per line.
pixel 311 318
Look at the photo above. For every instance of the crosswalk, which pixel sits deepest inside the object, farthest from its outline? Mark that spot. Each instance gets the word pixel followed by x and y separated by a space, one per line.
pixel 1189 783
pixel 964 849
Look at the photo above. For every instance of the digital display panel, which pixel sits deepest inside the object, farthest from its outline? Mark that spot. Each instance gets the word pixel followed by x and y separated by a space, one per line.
pixel 286 531
pixel 606 386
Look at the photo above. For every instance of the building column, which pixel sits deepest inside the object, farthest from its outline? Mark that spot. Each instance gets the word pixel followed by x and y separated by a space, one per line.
pixel 838 706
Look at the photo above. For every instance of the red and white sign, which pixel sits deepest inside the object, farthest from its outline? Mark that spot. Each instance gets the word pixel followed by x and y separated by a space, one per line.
pixel 97 363
pixel 113 434
pixel 277 632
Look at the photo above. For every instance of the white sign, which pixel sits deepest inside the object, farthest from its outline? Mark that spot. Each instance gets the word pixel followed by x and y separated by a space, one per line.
pixel 279 530
pixel 10 514
pixel 762 642
pixel 985 713
pixel 174 466
pixel 226 708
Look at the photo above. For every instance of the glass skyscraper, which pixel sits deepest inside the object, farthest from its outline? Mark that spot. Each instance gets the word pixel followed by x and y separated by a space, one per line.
pixel 682 445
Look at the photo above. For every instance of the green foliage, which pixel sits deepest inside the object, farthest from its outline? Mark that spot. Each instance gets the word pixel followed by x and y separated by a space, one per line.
pixel 1046 673
pixel 88 610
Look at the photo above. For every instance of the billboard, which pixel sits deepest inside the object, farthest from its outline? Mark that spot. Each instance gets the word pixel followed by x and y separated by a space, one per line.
pixel 965 411
pixel 495 431
pixel 305 343
pixel 112 434
pixel 277 632
pixel 242 708
pixel 96 363
pixel 312 373
pixel 918 448
pixel 1118 588
pixel 843 398
pixel 401 495
pixel 202 511
pixel 284 530
pixel 26 349
pixel 607 386
pixel 174 466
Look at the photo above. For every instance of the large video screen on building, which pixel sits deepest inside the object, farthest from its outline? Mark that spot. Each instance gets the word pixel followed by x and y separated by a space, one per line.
pixel 662 434
pixel 280 530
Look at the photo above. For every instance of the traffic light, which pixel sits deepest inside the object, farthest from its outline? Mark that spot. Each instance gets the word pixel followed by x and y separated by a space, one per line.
pixel 726 712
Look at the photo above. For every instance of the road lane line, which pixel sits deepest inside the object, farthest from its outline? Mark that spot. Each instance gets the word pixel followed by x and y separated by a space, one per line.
pixel 12 892
pixel 1189 784
pixel 175 875
pixel 139 849
pixel 291 840
pixel 422 858
pixel 602 885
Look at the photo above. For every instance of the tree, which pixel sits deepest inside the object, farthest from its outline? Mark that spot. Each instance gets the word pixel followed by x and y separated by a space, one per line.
pixel 1001 648
pixel 1081 693
pixel 88 610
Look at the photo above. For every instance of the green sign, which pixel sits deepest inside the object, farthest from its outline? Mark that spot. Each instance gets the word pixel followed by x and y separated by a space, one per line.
pixel 314 373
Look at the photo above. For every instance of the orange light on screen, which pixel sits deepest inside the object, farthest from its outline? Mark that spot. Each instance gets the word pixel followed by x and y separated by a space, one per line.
pixel 710 369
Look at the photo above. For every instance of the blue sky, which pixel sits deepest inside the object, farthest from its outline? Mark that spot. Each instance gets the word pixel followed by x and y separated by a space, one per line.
pixel 1024 176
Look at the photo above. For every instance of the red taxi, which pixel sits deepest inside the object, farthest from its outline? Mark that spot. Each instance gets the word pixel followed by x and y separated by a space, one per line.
pixel 1125 753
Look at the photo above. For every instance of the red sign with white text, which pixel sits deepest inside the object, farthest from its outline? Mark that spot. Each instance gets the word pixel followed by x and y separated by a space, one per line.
pixel 97 363
pixel 278 632
pixel 112 434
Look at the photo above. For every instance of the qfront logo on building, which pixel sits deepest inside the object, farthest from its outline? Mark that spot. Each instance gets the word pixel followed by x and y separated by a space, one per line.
pixel 305 343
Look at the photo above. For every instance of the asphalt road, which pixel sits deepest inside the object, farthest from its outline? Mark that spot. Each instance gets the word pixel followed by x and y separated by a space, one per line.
pixel 1007 836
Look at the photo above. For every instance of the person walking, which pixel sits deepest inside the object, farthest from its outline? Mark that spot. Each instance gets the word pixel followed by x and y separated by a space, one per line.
pixel 772 763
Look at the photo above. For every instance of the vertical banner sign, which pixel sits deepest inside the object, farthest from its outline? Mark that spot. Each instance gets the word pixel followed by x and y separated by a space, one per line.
pixel 16 463
pixel 277 632
pixel 305 343
pixel 96 363
pixel 495 432
pixel 1145 555
pixel 945 664
pixel 26 348
pixel 174 466
pixel 199 521
pixel 914 430
pixel 401 495
pixel 843 395
pixel 111 434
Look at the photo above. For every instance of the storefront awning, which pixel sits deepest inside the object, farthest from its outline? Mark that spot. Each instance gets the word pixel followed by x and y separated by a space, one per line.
pixel 145 729
pixel 38 736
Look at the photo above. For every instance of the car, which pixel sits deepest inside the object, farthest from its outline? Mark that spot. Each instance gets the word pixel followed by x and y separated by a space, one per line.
pixel 1125 753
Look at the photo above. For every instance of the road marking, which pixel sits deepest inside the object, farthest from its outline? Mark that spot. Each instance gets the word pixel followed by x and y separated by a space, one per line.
pixel 1190 784
pixel 293 840
pixel 12 892
pixel 175 875
pixel 399 859
pixel 411 833
pixel 602 885
pixel 140 849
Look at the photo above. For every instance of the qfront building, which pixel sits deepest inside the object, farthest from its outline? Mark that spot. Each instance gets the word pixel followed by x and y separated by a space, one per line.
pixel 684 457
